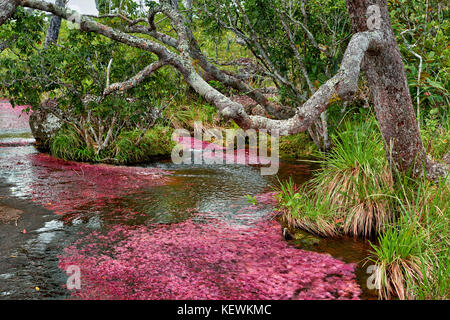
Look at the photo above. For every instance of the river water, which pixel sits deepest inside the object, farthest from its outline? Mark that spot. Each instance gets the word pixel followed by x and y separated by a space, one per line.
pixel 158 231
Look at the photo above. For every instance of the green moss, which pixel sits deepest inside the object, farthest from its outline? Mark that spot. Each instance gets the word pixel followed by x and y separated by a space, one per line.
pixel 156 143
pixel 298 146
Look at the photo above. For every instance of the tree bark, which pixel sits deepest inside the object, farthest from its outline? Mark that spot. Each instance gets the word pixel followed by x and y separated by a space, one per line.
pixel 386 76
pixel 371 49
pixel 55 26
pixel 7 9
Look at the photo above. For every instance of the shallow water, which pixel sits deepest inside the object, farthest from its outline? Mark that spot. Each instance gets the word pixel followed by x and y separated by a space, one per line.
pixel 90 204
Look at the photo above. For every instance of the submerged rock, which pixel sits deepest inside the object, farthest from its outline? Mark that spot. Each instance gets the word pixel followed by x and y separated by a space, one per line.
pixel 44 124
pixel 305 240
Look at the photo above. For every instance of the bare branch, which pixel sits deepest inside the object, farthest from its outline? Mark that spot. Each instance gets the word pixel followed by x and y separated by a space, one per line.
pixel 108 73
pixel 134 81
pixel 419 75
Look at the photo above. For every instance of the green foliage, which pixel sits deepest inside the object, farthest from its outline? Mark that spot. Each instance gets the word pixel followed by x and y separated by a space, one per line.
pixel 298 146
pixel 436 138
pixel 327 21
pixel 303 209
pixel 252 200
pixel 156 142
pixel 413 252
pixel 350 193
pixel 425 26
pixel 185 115
pixel 354 192
pixel 67 144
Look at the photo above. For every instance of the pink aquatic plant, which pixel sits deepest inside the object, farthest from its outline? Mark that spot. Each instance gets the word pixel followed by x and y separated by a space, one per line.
pixel 13 118
pixel 63 186
pixel 204 261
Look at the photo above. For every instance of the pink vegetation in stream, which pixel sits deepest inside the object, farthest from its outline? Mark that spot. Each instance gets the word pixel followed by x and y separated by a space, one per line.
pixel 63 186
pixel 77 183
pixel 13 118
pixel 204 261
pixel 219 154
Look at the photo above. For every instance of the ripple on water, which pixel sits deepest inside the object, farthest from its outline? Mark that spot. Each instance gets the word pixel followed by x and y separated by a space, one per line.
pixel 164 231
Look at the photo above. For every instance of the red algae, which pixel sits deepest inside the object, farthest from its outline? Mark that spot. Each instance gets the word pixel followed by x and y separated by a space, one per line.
pixel 80 183
pixel 13 118
pixel 63 186
pixel 204 261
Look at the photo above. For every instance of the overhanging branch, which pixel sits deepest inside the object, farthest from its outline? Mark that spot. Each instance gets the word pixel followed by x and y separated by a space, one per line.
pixel 134 81
pixel 344 84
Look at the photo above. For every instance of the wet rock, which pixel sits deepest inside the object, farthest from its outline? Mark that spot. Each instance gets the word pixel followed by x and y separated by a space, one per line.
pixel 8 214
pixel 304 239
pixel 44 124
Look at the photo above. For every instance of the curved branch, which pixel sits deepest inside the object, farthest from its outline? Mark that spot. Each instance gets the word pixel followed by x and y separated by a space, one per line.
pixel 344 83
pixel 134 81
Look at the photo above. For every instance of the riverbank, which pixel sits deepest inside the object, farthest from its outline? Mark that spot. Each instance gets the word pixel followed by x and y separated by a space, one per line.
pixel 356 194
pixel 19 268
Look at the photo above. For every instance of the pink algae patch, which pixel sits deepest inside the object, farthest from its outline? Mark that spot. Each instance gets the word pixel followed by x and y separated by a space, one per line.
pixel 218 153
pixel 189 143
pixel 267 198
pixel 13 118
pixel 77 183
pixel 63 186
pixel 204 261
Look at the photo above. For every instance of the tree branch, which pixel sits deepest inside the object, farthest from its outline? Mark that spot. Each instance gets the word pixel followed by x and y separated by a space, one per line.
pixel 344 83
pixel 134 81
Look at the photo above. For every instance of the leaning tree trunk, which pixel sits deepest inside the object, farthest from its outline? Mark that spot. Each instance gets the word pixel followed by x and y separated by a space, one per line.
pixel 55 26
pixel 7 8
pixel 386 77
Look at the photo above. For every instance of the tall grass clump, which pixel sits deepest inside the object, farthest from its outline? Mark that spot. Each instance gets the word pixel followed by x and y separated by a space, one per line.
pixel 352 190
pixel 356 180
pixel 412 254
pixel 304 211
pixel 68 145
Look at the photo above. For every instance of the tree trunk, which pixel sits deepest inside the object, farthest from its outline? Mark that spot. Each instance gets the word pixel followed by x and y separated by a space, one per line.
pixel 7 8
pixel 386 76
pixel 55 26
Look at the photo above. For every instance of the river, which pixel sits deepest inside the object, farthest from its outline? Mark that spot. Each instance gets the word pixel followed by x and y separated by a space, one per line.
pixel 156 231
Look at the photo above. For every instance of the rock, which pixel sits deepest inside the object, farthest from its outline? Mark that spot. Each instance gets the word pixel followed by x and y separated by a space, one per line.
pixel 305 240
pixel 8 214
pixel 44 124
